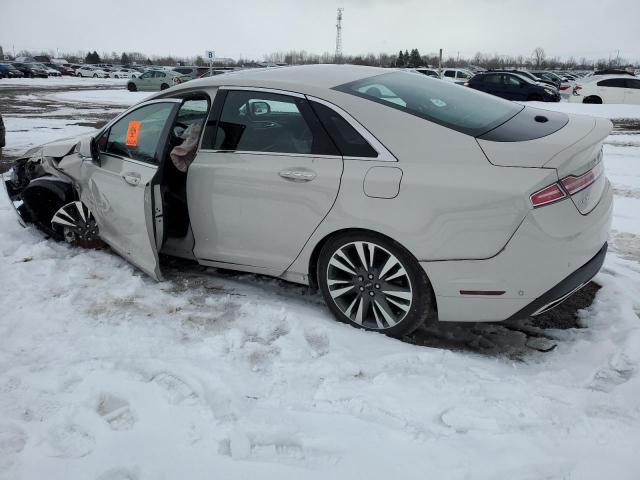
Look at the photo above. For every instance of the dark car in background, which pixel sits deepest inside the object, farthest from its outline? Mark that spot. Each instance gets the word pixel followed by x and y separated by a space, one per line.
pixel 512 86
pixel 530 76
pixel 9 71
pixel 191 72
pixel 31 70
pixel 548 76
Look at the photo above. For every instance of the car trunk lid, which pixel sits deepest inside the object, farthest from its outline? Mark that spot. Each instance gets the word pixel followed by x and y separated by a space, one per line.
pixel 573 150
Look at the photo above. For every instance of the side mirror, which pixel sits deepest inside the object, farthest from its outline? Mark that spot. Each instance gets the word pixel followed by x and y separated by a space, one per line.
pixel 260 108
pixel 95 152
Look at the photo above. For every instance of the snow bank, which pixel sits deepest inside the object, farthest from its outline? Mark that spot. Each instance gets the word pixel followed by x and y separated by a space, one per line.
pixel 60 82
pixel 107 97
pixel 107 375
pixel 23 133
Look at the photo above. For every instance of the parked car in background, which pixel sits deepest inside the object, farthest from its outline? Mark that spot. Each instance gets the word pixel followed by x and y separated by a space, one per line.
pixel 471 208
pixel 153 80
pixel 530 76
pixel 191 73
pixel 607 89
pixel 51 72
pixel 548 76
pixel 64 70
pixel 116 72
pixel 429 72
pixel 512 86
pixel 31 70
pixel 7 70
pixel 91 71
pixel 457 75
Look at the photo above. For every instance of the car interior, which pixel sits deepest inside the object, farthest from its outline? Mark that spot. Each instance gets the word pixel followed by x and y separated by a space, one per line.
pixel 172 173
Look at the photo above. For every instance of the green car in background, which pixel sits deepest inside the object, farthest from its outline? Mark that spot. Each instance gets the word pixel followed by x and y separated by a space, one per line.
pixel 153 80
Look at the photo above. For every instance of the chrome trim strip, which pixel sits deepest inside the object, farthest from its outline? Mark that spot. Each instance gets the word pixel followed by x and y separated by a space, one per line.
pixel 125 159
pixel 261 89
pixel 384 155
pixel 557 301
pixel 279 154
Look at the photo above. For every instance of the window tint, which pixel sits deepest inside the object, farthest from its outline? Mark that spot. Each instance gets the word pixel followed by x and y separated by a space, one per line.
pixel 268 122
pixel 633 83
pixel 138 134
pixel 492 78
pixel 612 82
pixel 349 141
pixel 450 73
pixel 461 109
pixel 463 75
pixel 512 80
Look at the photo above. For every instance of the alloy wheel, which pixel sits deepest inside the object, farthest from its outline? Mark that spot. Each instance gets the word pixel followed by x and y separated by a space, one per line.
pixel 369 285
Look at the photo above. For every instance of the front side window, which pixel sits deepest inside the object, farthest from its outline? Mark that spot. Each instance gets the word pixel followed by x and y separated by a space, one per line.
pixel 146 75
pixel 450 73
pixel 137 135
pixel 268 122
pixel 461 109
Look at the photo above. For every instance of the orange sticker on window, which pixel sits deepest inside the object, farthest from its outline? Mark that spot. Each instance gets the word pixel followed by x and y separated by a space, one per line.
pixel 133 131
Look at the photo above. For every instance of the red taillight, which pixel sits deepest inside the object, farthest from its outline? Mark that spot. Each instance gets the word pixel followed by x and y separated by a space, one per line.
pixel 564 87
pixel 547 195
pixel 573 184
pixel 466 84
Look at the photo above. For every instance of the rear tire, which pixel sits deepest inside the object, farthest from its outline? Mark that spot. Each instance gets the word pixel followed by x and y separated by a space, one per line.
pixel 164 86
pixel 132 87
pixel 373 283
pixel 594 99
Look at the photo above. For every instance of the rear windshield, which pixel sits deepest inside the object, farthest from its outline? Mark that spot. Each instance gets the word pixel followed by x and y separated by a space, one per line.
pixel 453 106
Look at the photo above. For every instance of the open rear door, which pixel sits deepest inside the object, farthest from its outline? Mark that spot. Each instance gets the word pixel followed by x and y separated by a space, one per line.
pixel 122 191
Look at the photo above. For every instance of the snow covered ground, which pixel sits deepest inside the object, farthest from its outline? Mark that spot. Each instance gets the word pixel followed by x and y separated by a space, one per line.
pixel 106 375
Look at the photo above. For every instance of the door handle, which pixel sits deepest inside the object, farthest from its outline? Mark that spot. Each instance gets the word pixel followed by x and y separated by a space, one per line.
pixel 132 178
pixel 298 175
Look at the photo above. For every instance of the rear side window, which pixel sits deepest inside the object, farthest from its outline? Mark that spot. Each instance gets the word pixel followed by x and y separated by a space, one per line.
pixel 612 82
pixel 463 109
pixel 349 141
pixel 269 122
pixel 450 73
pixel 633 83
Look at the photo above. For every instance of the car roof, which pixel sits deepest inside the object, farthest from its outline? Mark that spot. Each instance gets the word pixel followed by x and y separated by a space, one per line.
pixel 599 78
pixel 303 79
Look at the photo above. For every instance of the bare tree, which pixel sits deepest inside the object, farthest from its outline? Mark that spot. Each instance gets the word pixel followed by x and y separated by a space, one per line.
pixel 539 57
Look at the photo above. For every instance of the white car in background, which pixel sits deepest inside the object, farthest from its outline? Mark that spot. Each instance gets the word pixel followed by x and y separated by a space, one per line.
pixel 607 89
pixel 93 72
pixel 457 75
pixel 123 73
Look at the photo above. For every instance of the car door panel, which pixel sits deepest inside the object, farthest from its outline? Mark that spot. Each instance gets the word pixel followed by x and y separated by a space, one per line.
pixel 122 209
pixel 119 187
pixel 258 209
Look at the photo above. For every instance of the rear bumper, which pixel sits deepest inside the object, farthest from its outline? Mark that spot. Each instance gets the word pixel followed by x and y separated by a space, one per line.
pixel 537 266
pixel 563 290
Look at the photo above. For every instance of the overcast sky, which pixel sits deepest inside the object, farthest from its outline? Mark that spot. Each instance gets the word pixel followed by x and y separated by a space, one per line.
pixel 251 28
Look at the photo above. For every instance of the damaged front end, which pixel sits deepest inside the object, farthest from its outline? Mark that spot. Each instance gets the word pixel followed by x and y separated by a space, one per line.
pixel 45 182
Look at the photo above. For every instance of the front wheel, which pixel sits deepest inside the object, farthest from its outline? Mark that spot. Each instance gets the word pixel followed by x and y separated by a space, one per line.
pixel 535 98
pixel 132 87
pixel 373 283
pixel 164 86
